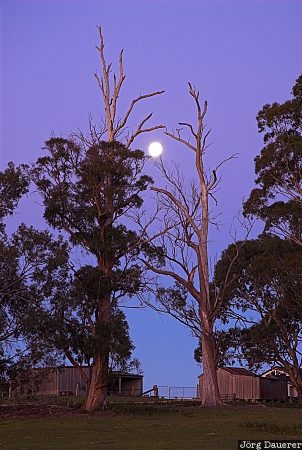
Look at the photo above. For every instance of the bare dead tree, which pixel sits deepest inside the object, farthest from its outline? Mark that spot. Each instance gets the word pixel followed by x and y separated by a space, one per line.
pixel 115 126
pixel 186 217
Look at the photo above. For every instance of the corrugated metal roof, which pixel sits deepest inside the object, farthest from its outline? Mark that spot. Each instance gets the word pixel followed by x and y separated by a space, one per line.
pixel 238 371
pixel 73 368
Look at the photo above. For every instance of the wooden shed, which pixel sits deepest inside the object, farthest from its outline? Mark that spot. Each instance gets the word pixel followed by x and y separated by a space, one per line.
pixel 67 380
pixel 239 383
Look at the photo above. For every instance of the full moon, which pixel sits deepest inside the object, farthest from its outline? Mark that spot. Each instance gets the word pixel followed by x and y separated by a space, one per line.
pixel 155 149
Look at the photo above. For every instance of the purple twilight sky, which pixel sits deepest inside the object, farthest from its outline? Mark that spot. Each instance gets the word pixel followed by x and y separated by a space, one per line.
pixel 240 54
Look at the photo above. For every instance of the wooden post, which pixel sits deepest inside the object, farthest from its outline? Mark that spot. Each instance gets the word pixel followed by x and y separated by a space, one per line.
pixel 155 389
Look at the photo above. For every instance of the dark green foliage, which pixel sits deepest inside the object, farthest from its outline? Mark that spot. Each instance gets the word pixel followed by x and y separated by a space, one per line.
pixel 44 305
pixel 262 263
pixel 266 290
pixel 278 198
pixel 266 287
pixel 13 184
pixel 66 322
pixel 89 192
pixel 31 262
pixel 174 297
pixel 85 189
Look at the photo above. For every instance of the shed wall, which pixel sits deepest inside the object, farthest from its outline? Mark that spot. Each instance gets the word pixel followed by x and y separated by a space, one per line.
pixel 70 380
pixel 226 384
pixel 132 386
pixel 236 386
pixel 244 387
pixel 247 388
pixel 272 389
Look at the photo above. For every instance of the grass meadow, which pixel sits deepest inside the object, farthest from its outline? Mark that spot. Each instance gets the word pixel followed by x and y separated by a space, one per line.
pixel 152 427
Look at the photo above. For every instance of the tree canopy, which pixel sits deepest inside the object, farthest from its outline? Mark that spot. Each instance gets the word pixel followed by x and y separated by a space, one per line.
pixel 31 263
pixel 278 198
pixel 265 299
pixel 89 192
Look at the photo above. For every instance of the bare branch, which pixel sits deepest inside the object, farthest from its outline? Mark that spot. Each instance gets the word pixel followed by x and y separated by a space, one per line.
pixel 176 277
pixel 115 127
pixel 117 86
pixel 179 139
pixel 189 126
pixel 179 205
pixel 190 239
pixel 140 130
pixel 140 97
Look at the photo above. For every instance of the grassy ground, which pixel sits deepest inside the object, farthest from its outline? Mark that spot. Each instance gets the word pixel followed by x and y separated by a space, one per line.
pixel 147 427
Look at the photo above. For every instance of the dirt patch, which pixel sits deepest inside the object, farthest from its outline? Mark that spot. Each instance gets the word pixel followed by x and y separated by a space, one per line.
pixel 30 411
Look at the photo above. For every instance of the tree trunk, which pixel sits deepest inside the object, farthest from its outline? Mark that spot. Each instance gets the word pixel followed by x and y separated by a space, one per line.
pixel 97 392
pixel 210 392
pixel 294 373
pixel 299 391
pixel 297 383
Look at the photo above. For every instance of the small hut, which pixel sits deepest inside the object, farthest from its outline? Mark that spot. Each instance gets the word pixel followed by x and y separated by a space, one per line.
pixel 237 383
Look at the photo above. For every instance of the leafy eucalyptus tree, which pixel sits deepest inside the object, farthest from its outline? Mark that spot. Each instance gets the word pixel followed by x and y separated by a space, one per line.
pixel 31 262
pixel 265 299
pixel 13 184
pixel 87 192
pixel 277 199
pixel 89 184
pixel 66 323
pixel 45 306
